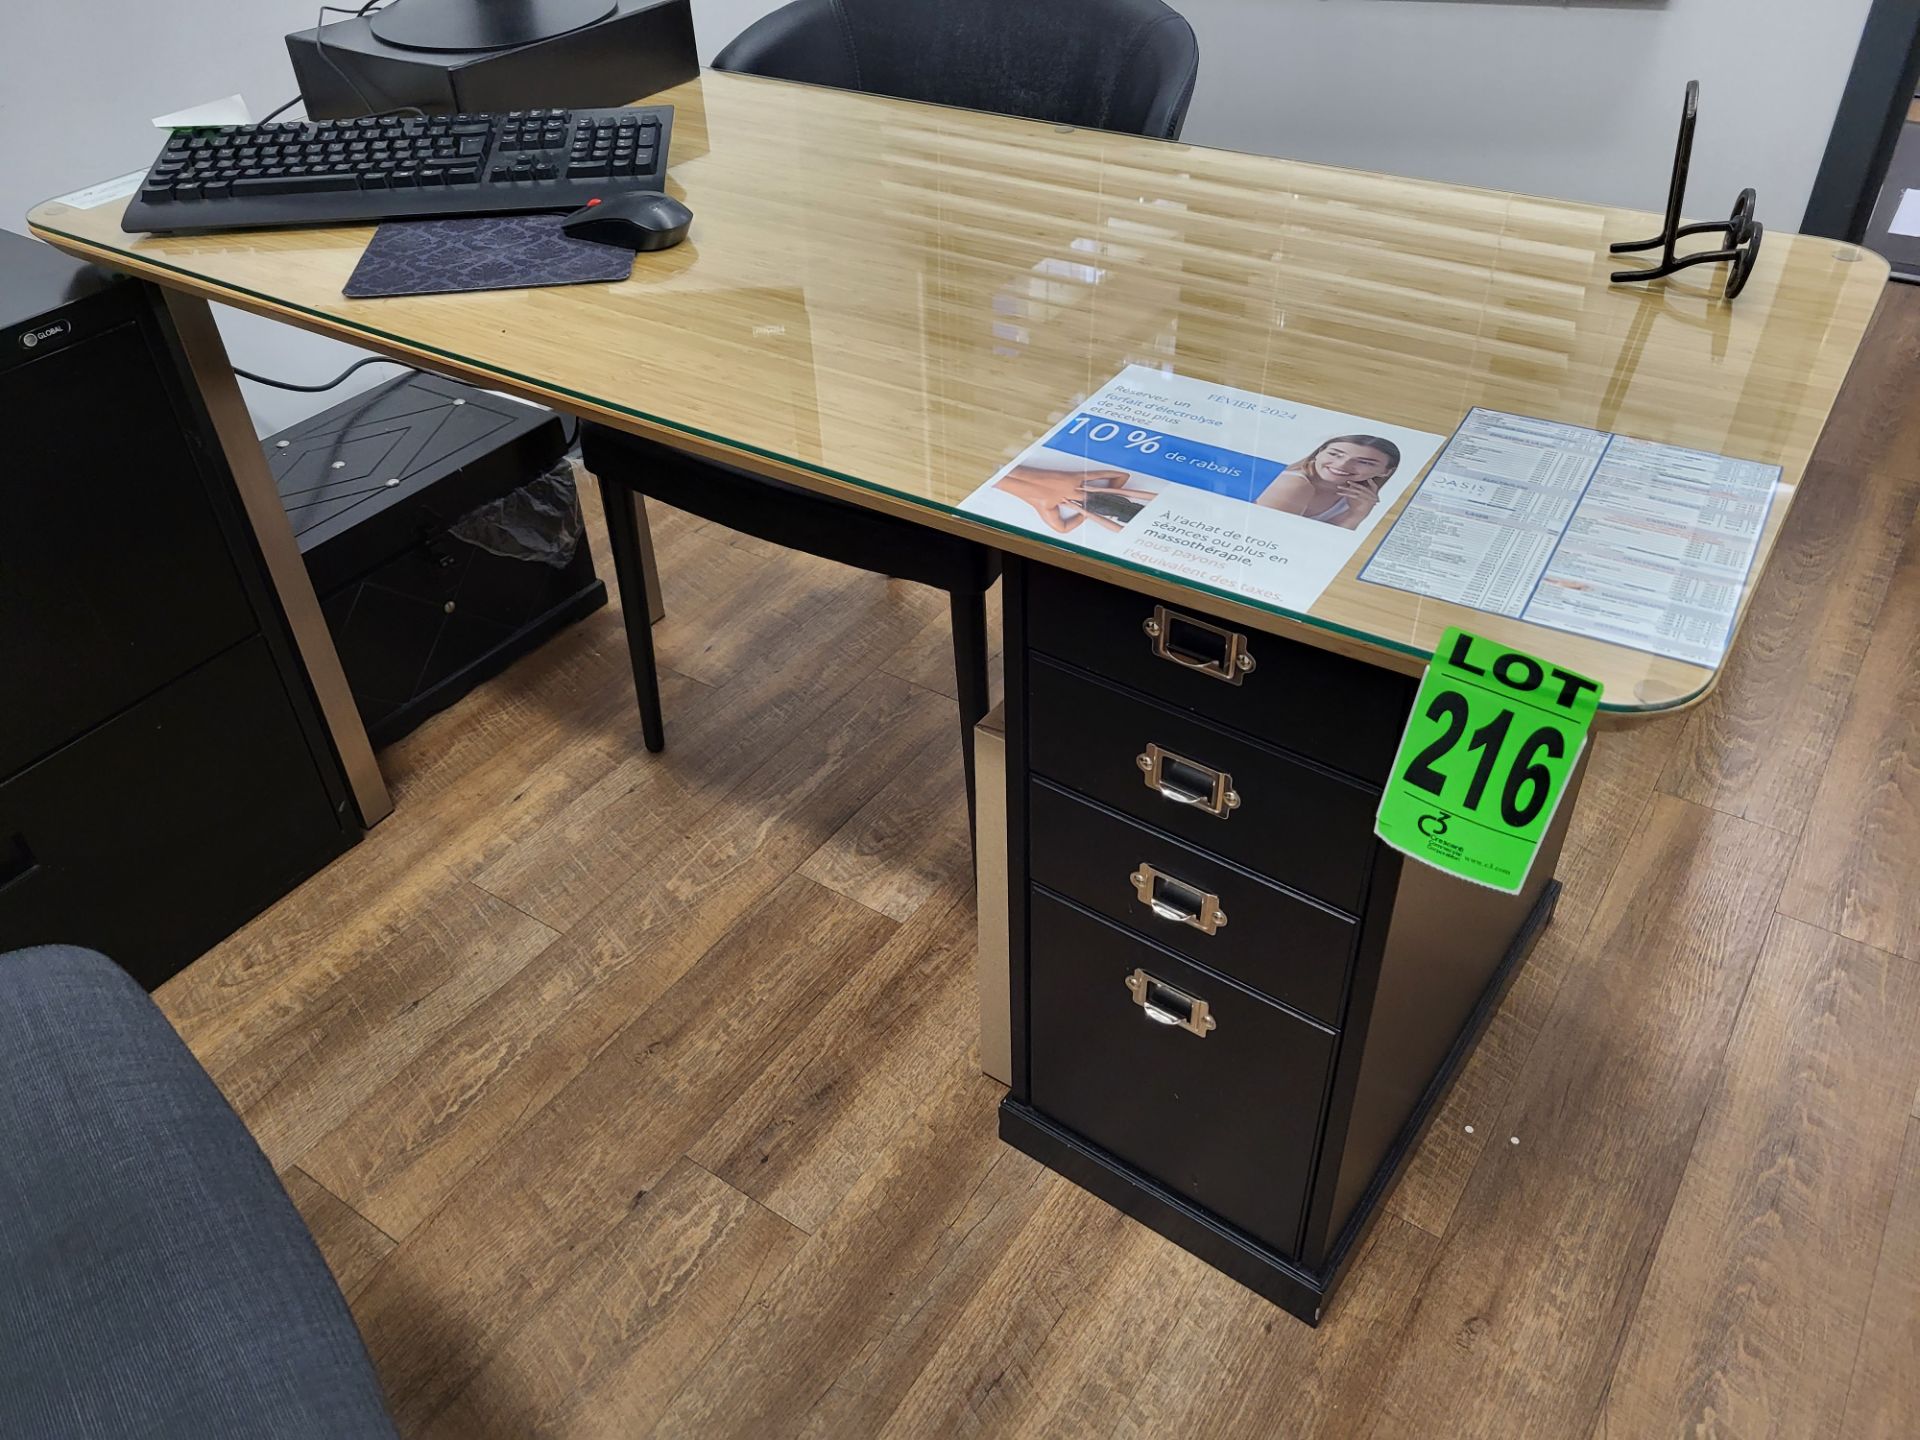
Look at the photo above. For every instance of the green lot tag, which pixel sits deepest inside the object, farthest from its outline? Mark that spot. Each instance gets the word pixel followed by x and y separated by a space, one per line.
pixel 1493 736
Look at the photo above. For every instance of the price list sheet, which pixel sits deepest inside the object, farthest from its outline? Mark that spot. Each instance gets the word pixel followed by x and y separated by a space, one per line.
pixel 1600 535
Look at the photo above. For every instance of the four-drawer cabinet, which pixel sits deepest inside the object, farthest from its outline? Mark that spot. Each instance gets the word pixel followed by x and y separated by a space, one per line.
pixel 1233 1007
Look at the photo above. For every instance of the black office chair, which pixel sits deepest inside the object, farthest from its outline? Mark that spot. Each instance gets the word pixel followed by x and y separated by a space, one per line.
pixel 1124 65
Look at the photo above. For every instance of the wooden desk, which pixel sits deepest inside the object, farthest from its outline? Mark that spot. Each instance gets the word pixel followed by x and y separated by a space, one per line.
pixel 885 302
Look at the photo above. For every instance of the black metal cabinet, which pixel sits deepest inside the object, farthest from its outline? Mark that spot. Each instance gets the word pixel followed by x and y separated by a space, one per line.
pixel 1233 1009
pixel 160 831
pixel 114 577
pixel 164 773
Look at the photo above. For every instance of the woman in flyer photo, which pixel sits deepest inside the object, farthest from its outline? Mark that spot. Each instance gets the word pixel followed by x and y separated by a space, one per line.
pixel 1339 483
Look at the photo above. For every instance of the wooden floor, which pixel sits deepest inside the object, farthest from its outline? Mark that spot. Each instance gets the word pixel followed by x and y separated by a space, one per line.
pixel 634 1095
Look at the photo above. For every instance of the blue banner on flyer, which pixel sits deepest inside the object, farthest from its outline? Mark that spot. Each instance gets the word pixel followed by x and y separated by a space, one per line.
pixel 1104 441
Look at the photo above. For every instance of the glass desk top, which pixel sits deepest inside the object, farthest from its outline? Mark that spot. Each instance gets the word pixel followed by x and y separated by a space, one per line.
pixel 889 301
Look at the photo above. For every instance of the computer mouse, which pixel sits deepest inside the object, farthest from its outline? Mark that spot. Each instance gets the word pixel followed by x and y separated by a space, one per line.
pixel 640 220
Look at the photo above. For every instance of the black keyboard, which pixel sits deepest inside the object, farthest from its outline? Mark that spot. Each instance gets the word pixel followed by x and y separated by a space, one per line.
pixel 394 167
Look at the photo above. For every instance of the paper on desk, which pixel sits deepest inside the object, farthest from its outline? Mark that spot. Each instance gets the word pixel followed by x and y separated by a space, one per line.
pixel 1644 545
pixel 117 188
pixel 1906 220
pixel 230 111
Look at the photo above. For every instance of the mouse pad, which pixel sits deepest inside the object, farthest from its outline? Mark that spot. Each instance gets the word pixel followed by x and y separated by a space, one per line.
pixel 480 252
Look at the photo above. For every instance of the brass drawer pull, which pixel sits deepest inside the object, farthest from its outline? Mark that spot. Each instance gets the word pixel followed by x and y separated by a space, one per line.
pixel 1165 1005
pixel 1173 899
pixel 1210 650
pixel 1188 782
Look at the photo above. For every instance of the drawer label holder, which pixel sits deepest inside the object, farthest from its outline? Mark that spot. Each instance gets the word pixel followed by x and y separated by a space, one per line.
pixel 1166 1004
pixel 1188 782
pixel 1492 739
pixel 1176 900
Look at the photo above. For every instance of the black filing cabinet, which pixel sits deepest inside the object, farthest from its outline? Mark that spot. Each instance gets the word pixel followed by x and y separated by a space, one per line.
pixel 1233 1008
pixel 163 771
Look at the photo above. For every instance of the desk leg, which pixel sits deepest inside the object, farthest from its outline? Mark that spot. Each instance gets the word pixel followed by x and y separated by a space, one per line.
pixel 643 538
pixel 207 355
pixel 637 576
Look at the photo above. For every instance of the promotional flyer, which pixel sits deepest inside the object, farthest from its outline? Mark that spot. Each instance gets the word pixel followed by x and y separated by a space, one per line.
pixel 1264 497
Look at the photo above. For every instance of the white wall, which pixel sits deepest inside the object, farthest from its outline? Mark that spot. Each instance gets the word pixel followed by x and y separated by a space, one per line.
pixel 80 79
pixel 1577 100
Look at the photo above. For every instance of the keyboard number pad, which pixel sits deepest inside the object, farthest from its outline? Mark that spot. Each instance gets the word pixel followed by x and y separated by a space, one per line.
pixel 627 145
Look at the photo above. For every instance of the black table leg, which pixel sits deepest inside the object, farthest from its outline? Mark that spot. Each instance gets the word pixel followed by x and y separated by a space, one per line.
pixel 630 570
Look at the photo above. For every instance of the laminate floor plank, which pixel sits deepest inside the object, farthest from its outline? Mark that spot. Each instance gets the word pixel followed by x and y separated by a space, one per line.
pixel 1095 1326
pixel 1542 1264
pixel 1758 745
pixel 395 1160
pixel 506 1237
pixel 469 783
pixel 1755 1304
pixel 843 1291
pixel 815 1120
pixel 907 842
pixel 728 631
pixel 1855 875
pixel 596 844
pixel 927 659
pixel 1079 1273
pixel 606 1353
pixel 279 965
pixel 352 1245
pixel 927 1301
pixel 322 1064
pixel 1266 1376
pixel 1883 1399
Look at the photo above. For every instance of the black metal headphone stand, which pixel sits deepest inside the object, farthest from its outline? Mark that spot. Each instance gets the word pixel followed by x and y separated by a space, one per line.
pixel 1743 233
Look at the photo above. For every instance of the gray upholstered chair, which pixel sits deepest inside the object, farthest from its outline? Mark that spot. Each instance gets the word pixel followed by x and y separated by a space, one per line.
pixel 155 1280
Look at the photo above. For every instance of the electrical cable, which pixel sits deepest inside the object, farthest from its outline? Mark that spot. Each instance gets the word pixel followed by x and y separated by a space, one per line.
pixel 327 385
pixel 320 49
pixel 275 114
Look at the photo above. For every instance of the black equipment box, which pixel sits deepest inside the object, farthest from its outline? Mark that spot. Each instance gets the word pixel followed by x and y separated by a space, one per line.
pixel 442 530
pixel 643 47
